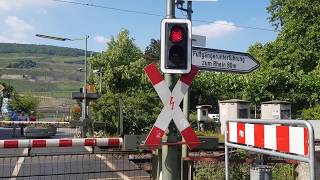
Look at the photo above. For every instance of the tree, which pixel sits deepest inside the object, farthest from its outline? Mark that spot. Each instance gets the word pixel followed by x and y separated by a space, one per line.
pixel 26 103
pixel 311 113
pixel 122 62
pixel 7 92
pixel 209 87
pixel 152 52
pixel 297 45
pixel 124 79
pixel 23 64
pixel 290 64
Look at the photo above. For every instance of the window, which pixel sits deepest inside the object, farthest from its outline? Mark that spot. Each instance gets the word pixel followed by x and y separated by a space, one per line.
pixel 243 113
pixel 204 112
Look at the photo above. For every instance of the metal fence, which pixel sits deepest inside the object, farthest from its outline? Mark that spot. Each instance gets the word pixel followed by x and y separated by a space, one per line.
pixel 290 139
pixel 85 164
pixel 210 166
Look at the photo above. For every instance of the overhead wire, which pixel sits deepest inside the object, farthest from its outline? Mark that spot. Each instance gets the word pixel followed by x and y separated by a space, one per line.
pixel 108 7
pixel 234 25
pixel 158 15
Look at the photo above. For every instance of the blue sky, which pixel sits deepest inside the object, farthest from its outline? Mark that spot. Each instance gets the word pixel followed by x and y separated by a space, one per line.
pixel 226 22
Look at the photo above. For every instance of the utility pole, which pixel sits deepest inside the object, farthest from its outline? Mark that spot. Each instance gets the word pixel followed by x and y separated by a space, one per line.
pixel 170 154
pixel 186 105
pixel 84 102
pixel 120 123
pixel 84 113
pixel 100 80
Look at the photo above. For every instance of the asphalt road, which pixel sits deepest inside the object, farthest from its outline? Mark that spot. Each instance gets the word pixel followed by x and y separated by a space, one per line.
pixel 65 163
pixel 7 133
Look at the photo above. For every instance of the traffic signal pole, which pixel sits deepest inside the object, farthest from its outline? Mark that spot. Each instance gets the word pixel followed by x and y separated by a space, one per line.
pixel 186 105
pixel 170 154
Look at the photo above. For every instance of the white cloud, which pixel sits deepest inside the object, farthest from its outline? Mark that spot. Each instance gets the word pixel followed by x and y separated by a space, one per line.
pixel 101 39
pixel 216 29
pixel 11 5
pixel 7 39
pixel 13 38
pixel 17 30
pixel 18 25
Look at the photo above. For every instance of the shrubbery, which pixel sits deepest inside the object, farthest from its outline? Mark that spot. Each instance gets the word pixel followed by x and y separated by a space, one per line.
pixel 23 64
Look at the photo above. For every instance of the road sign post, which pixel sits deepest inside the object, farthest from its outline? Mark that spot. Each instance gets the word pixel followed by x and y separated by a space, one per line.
pixel 221 60
pixel 169 171
pixel 171 110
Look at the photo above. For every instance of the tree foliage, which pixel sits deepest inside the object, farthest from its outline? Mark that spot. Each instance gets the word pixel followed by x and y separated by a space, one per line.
pixel 295 53
pixel 26 103
pixel 23 64
pixel 124 79
pixel 289 71
pixel 311 113
pixel 152 52
pixel 289 65
pixel 297 45
pixel 8 90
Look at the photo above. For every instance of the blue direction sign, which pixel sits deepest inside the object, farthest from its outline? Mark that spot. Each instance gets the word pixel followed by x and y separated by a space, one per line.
pixel 221 60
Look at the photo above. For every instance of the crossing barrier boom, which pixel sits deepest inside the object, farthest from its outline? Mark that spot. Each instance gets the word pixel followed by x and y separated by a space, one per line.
pixel 42 143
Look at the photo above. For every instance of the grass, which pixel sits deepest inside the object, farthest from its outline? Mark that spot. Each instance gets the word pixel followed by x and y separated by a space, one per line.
pixel 52 73
pixel 27 86
pixel 212 134
pixel 7 58
pixel 40 72
pixel 53 80
pixel 55 94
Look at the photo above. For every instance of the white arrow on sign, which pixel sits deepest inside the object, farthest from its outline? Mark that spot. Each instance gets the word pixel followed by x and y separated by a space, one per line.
pixel 221 60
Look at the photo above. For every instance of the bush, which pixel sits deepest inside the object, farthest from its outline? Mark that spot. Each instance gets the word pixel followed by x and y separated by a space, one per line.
pixel 23 64
pixel 26 103
pixel 311 113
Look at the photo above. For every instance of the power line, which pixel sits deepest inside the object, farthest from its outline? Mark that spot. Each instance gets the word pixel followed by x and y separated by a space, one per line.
pixel 246 27
pixel 107 7
pixel 158 15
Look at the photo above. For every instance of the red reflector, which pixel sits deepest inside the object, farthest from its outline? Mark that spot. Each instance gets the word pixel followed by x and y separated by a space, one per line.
pixel 176 34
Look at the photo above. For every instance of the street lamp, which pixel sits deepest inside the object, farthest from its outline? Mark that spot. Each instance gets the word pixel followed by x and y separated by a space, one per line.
pixel 84 102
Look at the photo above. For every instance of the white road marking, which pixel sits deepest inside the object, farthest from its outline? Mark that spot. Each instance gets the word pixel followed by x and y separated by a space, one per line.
pixel 17 167
pixel 108 163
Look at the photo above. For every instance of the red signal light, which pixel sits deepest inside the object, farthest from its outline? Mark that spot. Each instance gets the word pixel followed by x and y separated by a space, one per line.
pixel 176 34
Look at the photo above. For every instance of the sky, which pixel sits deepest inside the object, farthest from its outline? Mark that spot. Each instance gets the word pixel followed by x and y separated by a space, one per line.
pixel 227 24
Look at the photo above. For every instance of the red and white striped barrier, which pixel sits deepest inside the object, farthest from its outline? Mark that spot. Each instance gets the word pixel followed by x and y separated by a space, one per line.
pixel 288 139
pixel 171 109
pixel 41 143
pixel 32 122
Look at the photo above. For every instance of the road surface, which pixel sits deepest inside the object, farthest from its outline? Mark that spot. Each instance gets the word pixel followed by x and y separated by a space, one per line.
pixel 65 163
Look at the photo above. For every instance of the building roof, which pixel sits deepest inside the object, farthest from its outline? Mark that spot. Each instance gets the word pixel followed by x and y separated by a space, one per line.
pixel 234 101
pixel 203 106
pixel 276 102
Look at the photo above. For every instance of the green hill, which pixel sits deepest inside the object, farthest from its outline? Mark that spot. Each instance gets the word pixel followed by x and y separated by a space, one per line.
pixel 41 69
pixel 40 49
